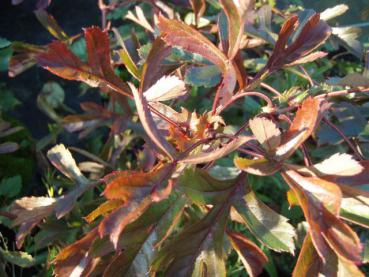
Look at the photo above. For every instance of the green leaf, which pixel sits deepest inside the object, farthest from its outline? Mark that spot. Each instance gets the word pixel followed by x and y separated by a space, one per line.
pixel 204 189
pixel 10 187
pixel 268 227
pixel 356 209
pixel 206 76
pixel 21 259
pixel 198 249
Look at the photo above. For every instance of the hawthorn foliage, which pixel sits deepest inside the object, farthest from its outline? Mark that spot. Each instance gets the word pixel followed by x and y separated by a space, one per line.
pixel 170 214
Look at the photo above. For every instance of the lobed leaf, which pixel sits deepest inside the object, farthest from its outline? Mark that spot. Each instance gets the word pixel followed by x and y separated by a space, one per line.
pixel 266 132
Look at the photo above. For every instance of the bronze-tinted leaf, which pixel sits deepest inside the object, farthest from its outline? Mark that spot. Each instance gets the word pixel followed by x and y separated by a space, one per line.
pixel 97 72
pixel 204 255
pixel 257 166
pixel 303 125
pixel 327 231
pixel 253 259
pixel 266 132
pixel 148 124
pixel 235 27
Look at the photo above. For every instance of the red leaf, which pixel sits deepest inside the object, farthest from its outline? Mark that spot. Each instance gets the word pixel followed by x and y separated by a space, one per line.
pixel 97 72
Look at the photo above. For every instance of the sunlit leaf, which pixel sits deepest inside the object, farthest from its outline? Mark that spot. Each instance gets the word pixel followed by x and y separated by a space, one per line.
pixel 166 88
pixel 266 132
pixel 270 228
pixel 303 125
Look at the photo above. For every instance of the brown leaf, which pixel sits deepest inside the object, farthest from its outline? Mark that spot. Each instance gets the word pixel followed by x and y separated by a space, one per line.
pixel 97 72
pixel 138 191
pixel 74 260
pixel 198 7
pixel 154 67
pixel 325 227
pixel 235 27
pixel 253 259
pixel 303 125
pixel 309 264
pixel 177 33
pixel 266 132
pixel 312 35
pixel 148 124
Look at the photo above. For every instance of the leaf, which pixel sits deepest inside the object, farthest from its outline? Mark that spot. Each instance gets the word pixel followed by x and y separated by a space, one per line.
pixel 8 147
pixel 198 7
pixel 311 36
pixel 155 66
pixel 140 238
pixel 253 259
pixel 235 27
pixel 309 263
pixel 354 80
pixel 62 159
pixel 204 255
pixel 148 124
pixel 266 132
pixel 205 157
pixel 204 189
pixel 29 212
pixel 137 191
pixel 177 33
pixel 257 166
pixel 339 164
pixel 333 12
pixel 207 76
pixel 98 71
pixel 167 88
pixel 103 209
pixel 326 229
pixel 348 38
pixel 50 24
pixel 303 125
pixel 270 228
pixel 10 187
pixel 21 259
pixel 74 259
pixel 24 56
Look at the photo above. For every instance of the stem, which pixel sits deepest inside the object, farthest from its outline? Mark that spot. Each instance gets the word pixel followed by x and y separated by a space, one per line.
pixel 346 139
pixel 247 93
pixel 342 92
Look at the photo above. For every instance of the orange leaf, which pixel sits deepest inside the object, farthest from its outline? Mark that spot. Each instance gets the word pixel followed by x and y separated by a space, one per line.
pixel 303 125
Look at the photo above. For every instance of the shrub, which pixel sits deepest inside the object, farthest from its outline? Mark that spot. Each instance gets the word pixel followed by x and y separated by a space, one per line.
pixel 179 207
